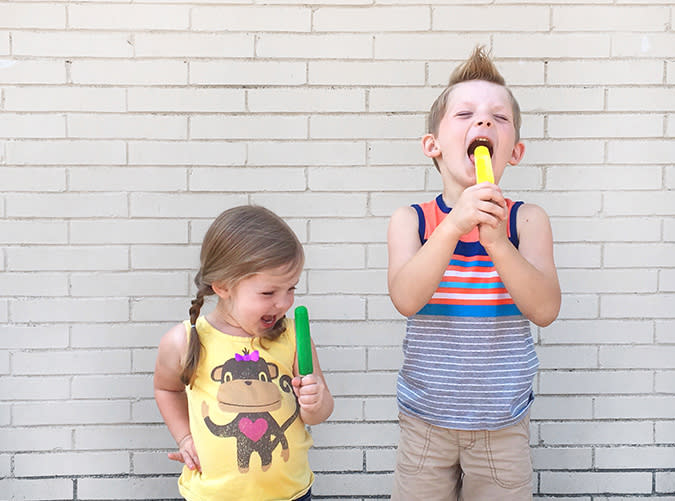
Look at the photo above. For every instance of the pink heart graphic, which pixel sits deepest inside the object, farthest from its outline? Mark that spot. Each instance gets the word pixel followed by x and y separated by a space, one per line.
pixel 253 429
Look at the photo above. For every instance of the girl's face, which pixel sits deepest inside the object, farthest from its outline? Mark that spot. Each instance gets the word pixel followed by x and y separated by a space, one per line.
pixel 256 303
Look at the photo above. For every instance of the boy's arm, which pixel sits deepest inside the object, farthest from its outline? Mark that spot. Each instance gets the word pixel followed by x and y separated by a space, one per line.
pixel 415 270
pixel 529 272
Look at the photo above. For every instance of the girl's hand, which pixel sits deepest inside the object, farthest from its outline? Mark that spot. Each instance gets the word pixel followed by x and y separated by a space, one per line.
pixel 310 390
pixel 187 453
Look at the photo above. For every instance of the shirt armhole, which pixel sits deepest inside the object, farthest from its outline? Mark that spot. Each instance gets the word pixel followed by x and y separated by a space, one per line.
pixel 421 225
pixel 513 224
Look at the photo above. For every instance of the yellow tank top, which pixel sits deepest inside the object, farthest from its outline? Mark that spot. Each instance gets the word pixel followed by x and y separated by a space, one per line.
pixel 245 422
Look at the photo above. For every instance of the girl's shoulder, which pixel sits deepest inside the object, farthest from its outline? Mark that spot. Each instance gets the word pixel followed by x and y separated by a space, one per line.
pixel 175 340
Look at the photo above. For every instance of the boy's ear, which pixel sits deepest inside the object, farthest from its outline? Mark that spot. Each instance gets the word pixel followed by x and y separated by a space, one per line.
pixel 517 153
pixel 429 146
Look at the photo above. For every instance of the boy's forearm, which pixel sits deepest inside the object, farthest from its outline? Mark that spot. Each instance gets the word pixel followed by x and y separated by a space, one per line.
pixel 535 292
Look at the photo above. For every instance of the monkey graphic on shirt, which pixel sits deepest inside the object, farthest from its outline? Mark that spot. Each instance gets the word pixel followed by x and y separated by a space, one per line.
pixel 246 388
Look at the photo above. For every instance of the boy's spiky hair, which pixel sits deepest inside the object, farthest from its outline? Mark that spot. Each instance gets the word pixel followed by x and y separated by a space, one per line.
pixel 479 66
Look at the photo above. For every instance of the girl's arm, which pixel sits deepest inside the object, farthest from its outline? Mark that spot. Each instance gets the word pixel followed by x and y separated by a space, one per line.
pixel 170 394
pixel 316 402
pixel 529 272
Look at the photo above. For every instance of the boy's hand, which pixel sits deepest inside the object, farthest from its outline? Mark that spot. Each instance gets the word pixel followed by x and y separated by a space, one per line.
pixel 478 205
pixel 310 390
pixel 187 454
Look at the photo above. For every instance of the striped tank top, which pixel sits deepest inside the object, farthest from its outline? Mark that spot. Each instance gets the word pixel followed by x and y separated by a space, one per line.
pixel 469 359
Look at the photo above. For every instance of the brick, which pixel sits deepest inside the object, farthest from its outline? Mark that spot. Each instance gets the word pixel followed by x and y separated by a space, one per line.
pixel 143 361
pixel 380 460
pixel 128 488
pixel 43 99
pixel 501 18
pixel 597 332
pixel 371 383
pixel 43 489
pixel 35 388
pixel 131 17
pixel 596 482
pixel 66 152
pixel 66 205
pixel 609 18
pixel 351 230
pixel 71 362
pixel 69 310
pixel 405 99
pixel 148 463
pixel 159 309
pixel 146 411
pixel 604 72
pixel 129 231
pixel 642 229
pixel 248 127
pixel 621 125
pixel 32 232
pixel 146 179
pixel 324 460
pixel 553 45
pixel 74 44
pixel 639 151
pixel 381 308
pixel 161 205
pixel 181 100
pixel 193 45
pixel 638 255
pixel 596 433
pixel 384 359
pixel 560 99
pixel 313 204
pixel 515 73
pixel 578 307
pixel 366 73
pixel 339 256
pixel 70 463
pixel 308 153
pixel 366 179
pixel 643 357
pixel 33 72
pixel 598 281
pixel 634 407
pixel 639 203
pixel 559 458
pixel 368 126
pixel 125 436
pixel 252 18
pixel 164 257
pixel 640 306
pixel 137 72
pixel 342 359
pixel 663 432
pixel 36 16
pixel 347 409
pixel 640 99
pixel 72 258
pixel 346 484
pixel 186 153
pixel 567 357
pixel 33 284
pixel 373 19
pixel 247 73
pixel 355 434
pixel 129 284
pixel 562 408
pixel 605 178
pixel 32 126
pixel 43 439
pixel 342 100
pixel 434 46
pixel 665 482
pixel 70 413
pixel 585 382
pixel 381 409
pixel 641 44
pixel 31 179
pixel 314 46
pixel 114 387
pixel 127 126
pixel 33 336
pixel 571 151
pixel 577 255
pixel 347 281
pixel 665 332
pixel 377 256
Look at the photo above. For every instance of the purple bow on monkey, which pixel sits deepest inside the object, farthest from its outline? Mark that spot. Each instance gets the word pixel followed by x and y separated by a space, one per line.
pixel 247 357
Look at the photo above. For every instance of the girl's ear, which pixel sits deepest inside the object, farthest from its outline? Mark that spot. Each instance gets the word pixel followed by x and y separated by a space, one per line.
pixel 221 289
pixel 429 146
pixel 517 154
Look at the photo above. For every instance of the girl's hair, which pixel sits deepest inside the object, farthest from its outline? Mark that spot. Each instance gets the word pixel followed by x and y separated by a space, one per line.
pixel 479 66
pixel 241 242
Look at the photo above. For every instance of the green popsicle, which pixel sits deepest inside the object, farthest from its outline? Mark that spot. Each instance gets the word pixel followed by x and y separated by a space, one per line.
pixel 303 341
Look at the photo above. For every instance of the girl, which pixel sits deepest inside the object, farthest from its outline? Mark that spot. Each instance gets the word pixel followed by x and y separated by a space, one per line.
pixel 227 383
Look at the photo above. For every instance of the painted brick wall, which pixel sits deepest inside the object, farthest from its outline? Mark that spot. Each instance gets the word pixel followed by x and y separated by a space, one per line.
pixel 126 126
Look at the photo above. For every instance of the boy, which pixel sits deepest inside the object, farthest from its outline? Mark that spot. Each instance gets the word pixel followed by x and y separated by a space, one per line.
pixel 469 269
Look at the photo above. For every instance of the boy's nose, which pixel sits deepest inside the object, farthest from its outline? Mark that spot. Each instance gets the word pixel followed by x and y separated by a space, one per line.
pixel 484 122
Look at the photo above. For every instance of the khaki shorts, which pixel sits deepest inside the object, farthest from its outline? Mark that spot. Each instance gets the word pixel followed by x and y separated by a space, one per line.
pixel 437 464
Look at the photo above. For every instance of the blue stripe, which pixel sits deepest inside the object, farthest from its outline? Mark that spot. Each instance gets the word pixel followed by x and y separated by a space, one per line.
pixel 470 264
pixel 490 310
pixel 473 285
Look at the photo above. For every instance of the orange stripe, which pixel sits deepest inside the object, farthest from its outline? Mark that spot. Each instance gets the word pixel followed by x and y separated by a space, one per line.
pixel 475 292
pixel 470 301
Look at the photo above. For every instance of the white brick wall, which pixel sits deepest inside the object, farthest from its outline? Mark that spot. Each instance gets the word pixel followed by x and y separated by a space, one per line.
pixel 126 127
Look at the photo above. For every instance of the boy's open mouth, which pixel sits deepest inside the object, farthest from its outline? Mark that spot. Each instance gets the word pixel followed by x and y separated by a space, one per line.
pixel 479 141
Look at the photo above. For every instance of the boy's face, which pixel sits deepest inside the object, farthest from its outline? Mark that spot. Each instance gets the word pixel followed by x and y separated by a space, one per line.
pixel 477 112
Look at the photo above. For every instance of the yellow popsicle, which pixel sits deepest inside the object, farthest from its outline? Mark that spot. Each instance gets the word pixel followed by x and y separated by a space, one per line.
pixel 483 163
